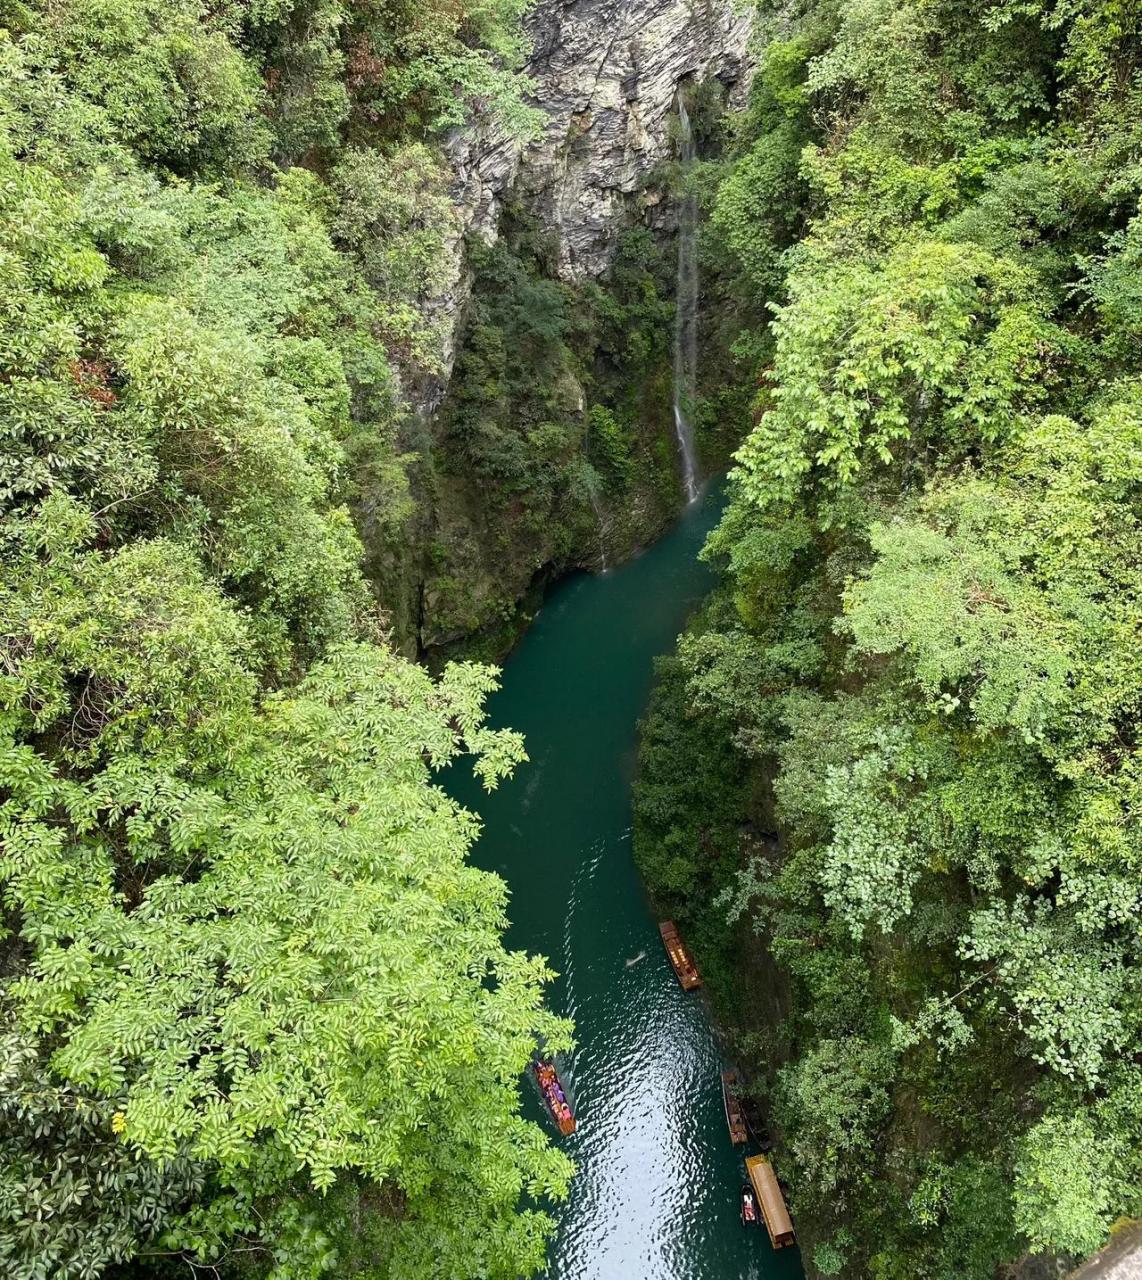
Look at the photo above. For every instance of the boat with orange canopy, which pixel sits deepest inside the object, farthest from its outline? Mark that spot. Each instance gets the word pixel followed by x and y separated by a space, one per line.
pixel 769 1195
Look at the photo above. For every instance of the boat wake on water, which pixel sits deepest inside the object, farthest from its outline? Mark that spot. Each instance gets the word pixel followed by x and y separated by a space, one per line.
pixel 630 964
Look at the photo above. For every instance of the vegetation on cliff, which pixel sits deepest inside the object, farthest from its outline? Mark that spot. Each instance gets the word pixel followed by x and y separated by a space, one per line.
pixel 255 1008
pixel 556 445
pixel 911 711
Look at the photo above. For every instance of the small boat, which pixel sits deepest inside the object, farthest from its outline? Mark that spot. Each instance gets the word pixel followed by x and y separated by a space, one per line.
pixel 684 966
pixel 772 1201
pixel 748 1206
pixel 735 1118
pixel 554 1095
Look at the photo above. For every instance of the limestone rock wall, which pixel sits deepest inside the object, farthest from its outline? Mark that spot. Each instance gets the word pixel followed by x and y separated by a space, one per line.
pixel 606 73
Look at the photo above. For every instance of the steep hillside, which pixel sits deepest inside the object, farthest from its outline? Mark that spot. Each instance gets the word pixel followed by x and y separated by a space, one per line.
pixel 324 334
pixel 890 779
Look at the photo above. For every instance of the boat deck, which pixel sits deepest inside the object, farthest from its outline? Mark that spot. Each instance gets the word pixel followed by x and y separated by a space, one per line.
pixel 777 1220
pixel 555 1096
pixel 684 967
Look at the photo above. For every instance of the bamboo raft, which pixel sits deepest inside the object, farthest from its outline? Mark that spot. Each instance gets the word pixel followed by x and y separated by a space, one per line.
pixel 684 966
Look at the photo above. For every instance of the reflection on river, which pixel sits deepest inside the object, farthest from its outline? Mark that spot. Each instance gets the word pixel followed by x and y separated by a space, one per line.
pixel 656 1194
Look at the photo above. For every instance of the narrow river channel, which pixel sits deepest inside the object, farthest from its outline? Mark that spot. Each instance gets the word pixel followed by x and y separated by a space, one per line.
pixel 656 1194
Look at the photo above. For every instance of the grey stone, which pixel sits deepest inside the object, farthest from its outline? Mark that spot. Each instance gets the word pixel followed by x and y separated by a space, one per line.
pixel 1121 1259
pixel 606 73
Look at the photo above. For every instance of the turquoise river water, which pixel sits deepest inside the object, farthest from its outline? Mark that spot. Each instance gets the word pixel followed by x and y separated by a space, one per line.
pixel 656 1193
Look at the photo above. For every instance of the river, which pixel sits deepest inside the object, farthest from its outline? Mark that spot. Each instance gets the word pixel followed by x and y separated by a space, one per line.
pixel 656 1193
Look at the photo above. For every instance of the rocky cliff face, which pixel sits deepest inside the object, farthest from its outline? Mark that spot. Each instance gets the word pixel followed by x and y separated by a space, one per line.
pixel 606 73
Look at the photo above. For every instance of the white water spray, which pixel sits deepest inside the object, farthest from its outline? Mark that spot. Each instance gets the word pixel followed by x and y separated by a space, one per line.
pixel 686 313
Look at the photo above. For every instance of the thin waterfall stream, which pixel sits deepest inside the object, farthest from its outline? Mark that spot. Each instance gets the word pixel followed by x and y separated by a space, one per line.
pixel 598 510
pixel 686 311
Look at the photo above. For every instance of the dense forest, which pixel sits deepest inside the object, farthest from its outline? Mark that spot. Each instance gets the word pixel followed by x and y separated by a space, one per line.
pixel 257 1016
pixel 257 1013
pixel 890 779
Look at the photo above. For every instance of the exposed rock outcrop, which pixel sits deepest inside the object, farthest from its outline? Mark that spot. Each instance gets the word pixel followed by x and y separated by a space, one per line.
pixel 1121 1259
pixel 606 73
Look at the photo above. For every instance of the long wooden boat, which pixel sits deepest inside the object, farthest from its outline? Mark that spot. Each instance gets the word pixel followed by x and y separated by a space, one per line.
pixel 777 1220
pixel 554 1095
pixel 680 958
pixel 735 1118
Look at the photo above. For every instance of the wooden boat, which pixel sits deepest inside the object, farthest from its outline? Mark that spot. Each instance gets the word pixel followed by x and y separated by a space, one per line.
pixel 680 958
pixel 777 1220
pixel 554 1095
pixel 748 1206
pixel 735 1118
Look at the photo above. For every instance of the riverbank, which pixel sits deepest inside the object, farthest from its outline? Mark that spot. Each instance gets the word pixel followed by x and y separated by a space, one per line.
pixel 700 816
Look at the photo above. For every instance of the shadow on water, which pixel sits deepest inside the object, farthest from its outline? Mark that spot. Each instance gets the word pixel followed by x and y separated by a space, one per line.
pixel 656 1193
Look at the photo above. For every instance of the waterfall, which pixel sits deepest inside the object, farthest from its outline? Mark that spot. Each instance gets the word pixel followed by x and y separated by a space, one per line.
pixel 686 313
pixel 599 523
